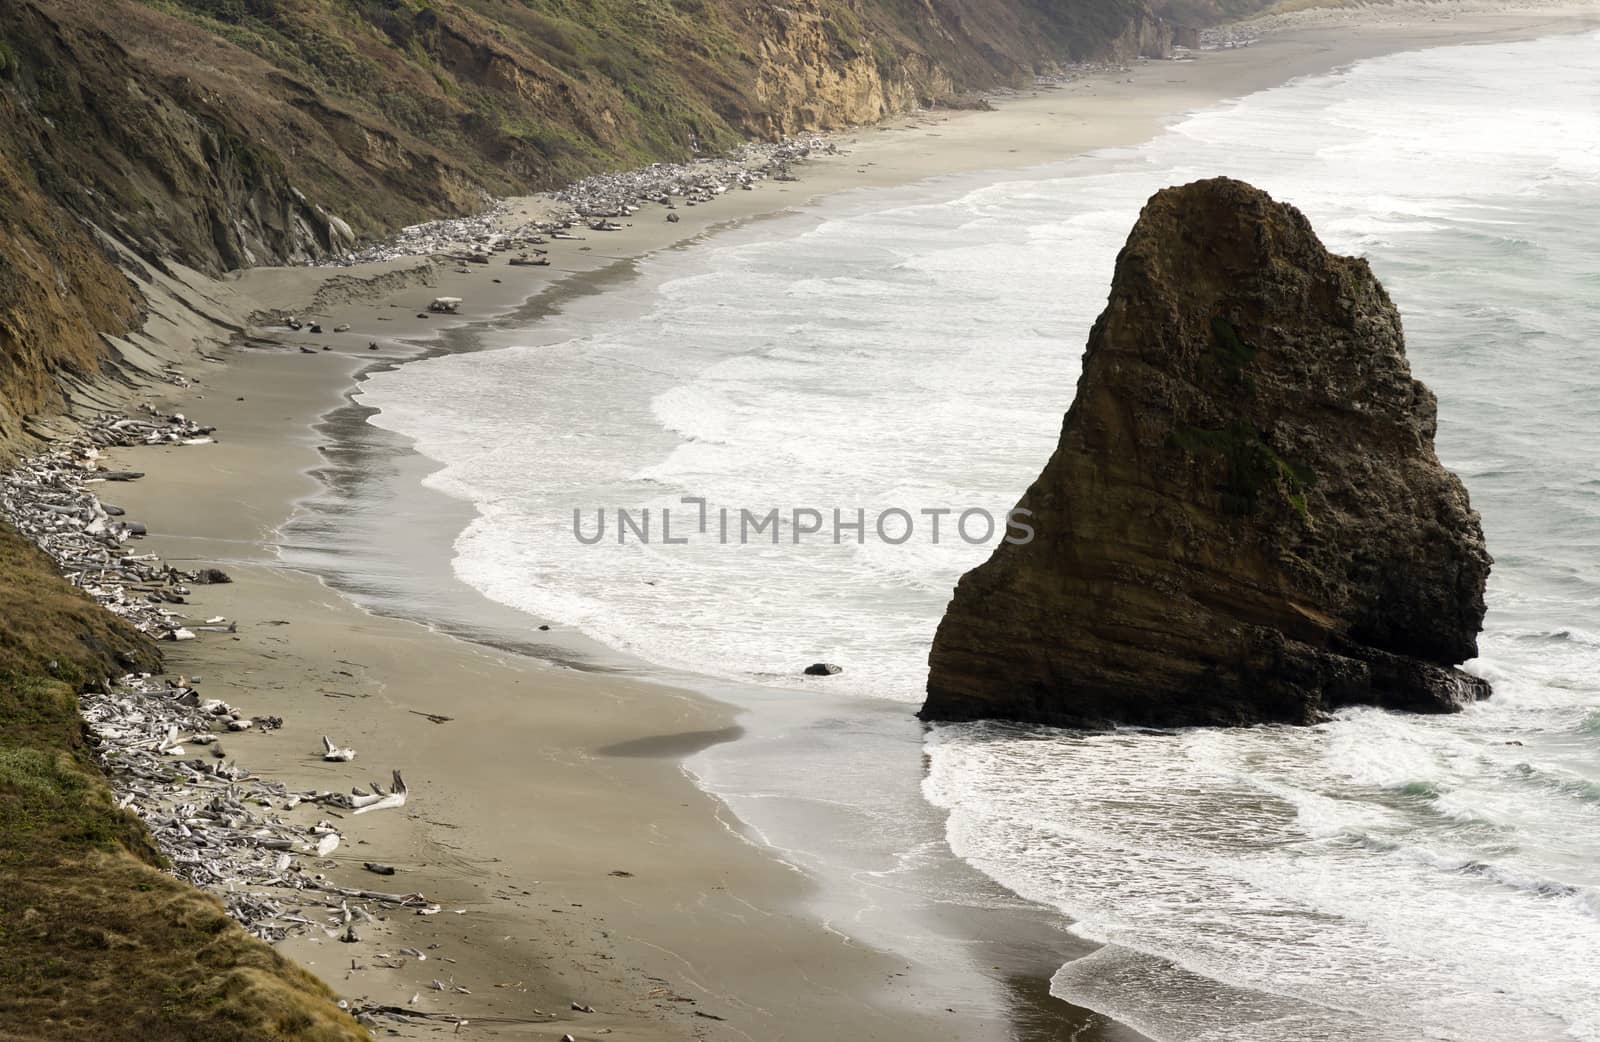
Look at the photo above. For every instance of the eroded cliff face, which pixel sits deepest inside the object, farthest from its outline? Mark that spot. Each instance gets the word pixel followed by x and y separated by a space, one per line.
pixel 1245 520
pixel 814 74
pixel 227 133
pixel 58 289
pixel 1146 36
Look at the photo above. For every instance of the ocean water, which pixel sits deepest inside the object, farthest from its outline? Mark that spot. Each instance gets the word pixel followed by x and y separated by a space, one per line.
pixel 1376 877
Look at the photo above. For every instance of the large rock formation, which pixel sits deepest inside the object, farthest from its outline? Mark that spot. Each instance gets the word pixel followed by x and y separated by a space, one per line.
pixel 1245 520
pixel 227 133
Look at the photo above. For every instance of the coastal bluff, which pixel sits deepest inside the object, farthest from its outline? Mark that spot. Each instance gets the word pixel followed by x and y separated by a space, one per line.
pixel 1244 520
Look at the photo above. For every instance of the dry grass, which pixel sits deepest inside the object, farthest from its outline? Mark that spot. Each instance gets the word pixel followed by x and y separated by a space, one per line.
pixel 96 942
pixel 49 628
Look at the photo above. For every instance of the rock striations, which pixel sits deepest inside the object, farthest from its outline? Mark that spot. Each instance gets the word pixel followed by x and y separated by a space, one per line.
pixel 1244 520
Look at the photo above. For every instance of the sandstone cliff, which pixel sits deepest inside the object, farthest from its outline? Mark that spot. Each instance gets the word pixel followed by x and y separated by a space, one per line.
pixel 1245 520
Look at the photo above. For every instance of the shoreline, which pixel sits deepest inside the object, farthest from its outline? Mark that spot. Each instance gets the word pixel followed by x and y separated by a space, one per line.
pixel 248 481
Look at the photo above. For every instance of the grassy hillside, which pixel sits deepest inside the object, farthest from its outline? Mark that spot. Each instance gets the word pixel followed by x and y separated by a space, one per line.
pixel 97 943
pixel 224 132
pixel 229 133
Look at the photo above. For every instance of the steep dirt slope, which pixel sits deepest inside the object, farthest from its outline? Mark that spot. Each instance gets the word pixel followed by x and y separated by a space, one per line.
pixel 227 133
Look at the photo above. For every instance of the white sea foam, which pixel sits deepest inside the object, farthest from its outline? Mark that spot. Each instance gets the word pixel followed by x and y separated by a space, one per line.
pixel 1378 877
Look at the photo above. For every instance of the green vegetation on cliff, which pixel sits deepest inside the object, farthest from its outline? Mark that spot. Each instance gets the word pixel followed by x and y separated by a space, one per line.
pixel 227 133
pixel 98 943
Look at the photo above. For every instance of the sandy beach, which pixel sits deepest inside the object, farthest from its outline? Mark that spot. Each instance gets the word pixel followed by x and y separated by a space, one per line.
pixel 577 863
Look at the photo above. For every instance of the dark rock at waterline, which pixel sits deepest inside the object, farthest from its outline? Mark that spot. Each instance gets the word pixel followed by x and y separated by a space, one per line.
pixel 823 669
pixel 1244 520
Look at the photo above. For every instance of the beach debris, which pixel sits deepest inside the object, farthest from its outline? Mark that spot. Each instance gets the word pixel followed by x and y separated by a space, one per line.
pixel 378 868
pixel 379 800
pixel 432 718
pixel 333 754
pixel 368 1014
pixel 50 499
pixel 598 203
pixel 445 305
pixel 221 827
pixel 1227 37
pixel 579 1007
pixel 823 669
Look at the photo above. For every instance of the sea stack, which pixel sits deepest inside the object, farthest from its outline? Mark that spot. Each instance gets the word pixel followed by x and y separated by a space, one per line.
pixel 1244 520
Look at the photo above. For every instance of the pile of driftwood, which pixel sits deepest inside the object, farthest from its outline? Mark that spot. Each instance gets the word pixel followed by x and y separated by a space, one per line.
pixel 49 499
pixel 1226 37
pixel 466 240
pixel 252 841
pixel 473 240
pixel 434 237
pixel 1070 72
pixel 225 829
pixel 621 194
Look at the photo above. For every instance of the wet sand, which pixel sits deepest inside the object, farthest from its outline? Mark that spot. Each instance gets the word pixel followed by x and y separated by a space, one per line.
pixel 550 813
